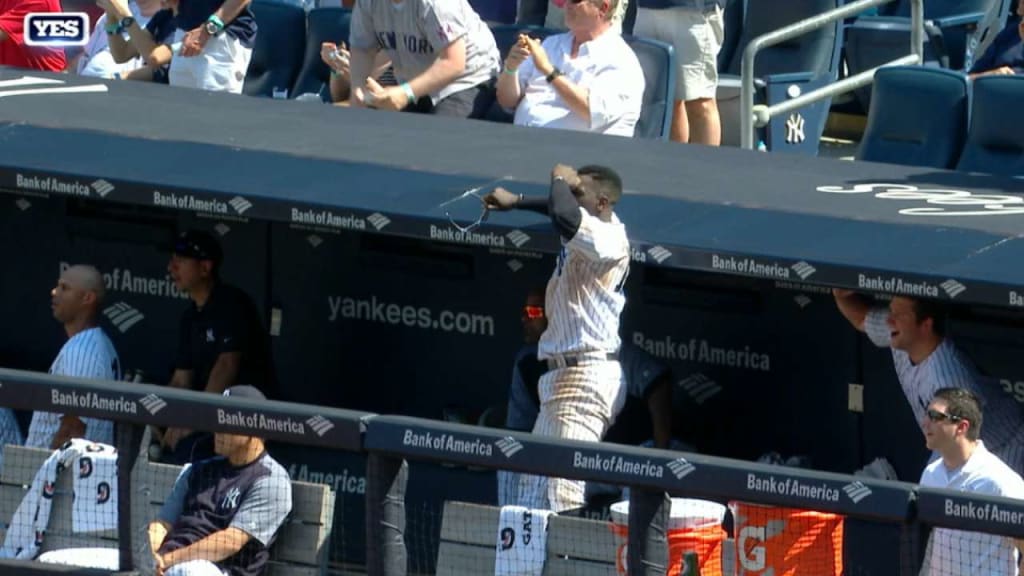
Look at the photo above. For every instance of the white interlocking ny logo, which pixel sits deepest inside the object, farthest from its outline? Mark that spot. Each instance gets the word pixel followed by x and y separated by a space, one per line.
pixel 795 129
pixel 803 269
pixel 509 446
pixel 152 403
pixel 680 468
pixel 240 204
pixel 857 491
pixel 123 316
pixel 518 237
pixel 659 253
pixel 102 187
pixel 16 87
pixel 378 220
pixel 953 288
pixel 320 425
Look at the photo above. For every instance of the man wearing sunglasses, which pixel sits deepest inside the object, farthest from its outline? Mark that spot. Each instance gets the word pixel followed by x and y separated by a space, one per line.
pixel 587 79
pixel 926 360
pixel 582 386
pixel 952 428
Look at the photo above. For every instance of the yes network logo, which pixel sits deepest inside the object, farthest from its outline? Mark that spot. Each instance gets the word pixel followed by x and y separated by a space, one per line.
pixel 56 29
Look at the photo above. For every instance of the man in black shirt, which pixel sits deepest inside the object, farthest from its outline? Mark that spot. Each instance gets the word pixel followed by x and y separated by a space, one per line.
pixel 224 513
pixel 221 340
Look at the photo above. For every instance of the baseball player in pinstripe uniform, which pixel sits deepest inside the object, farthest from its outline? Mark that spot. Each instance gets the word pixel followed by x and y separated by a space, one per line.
pixel 582 389
pixel 88 353
pixel 927 361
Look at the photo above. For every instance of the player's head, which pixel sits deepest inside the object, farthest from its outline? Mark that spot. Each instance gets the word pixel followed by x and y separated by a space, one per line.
pixel 953 416
pixel 589 15
pixel 600 189
pixel 534 318
pixel 237 446
pixel 195 260
pixel 914 321
pixel 78 294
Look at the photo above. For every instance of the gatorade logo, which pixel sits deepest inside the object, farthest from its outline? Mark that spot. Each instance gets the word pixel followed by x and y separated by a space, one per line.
pixel 750 545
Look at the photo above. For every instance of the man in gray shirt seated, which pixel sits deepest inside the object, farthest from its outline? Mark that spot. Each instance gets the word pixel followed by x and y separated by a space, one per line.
pixel 223 513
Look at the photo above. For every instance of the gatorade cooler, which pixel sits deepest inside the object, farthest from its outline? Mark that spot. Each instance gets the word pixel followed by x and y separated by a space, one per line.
pixel 693 526
pixel 786 542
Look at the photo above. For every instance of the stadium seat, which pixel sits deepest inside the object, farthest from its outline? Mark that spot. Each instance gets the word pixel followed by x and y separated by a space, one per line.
pixel 500 11
pixel 280 42
pixel 951 34
pixel 323 25
pixel 919 117
pixel 781 72
pixel 658 62
pixel 995 142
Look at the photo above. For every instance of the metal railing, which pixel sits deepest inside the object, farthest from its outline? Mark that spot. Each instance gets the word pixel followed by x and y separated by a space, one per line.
pixel 753 117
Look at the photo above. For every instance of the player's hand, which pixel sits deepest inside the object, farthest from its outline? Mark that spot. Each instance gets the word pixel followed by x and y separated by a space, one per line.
pixel 1001 71
pixel 540 56
pixel 390 98
pixel 194 42
pixel 842 292
pixel 517 54
pixel 336 56
pixel 567 173
pixel 501 199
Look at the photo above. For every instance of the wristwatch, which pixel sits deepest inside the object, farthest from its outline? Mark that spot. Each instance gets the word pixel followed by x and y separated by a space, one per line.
pixel 554 74
pixel 125 24
pixel 213 25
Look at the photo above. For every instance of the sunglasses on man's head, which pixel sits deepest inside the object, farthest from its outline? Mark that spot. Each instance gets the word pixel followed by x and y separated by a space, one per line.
pixel 936 416
pixel 533 312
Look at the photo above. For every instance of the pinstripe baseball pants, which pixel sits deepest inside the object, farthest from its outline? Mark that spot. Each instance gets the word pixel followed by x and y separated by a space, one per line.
pixel 576 403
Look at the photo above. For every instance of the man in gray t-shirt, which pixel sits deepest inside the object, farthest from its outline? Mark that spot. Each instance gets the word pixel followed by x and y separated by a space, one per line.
pixel 223 513
pixel 444 57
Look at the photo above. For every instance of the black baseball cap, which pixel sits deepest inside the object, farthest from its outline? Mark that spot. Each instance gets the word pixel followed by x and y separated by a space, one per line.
pixel 199 245
pixel 245 391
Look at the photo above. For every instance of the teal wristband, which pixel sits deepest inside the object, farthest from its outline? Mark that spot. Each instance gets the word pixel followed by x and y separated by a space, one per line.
pixel 213 18
pixel 409 93
pixel 112 28
pixel 509 72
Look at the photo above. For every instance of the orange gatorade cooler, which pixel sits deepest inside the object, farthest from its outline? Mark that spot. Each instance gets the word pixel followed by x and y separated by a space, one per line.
pixel 693 526
pixel 786 542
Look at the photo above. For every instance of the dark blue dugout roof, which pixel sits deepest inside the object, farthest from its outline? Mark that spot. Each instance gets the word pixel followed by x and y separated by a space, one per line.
pixel 817 221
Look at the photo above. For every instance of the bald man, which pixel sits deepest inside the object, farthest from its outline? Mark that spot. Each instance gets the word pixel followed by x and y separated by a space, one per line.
pixel 88 353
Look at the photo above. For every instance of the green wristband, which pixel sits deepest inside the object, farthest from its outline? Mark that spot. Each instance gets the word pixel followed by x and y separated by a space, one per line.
pixel 409 93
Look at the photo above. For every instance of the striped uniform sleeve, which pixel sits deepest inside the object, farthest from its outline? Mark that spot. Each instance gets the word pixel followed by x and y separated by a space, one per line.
pixel 876 326
pixel 597 240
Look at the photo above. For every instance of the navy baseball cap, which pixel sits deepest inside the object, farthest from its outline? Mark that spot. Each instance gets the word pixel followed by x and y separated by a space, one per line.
pixel 199 245
pixel 244 391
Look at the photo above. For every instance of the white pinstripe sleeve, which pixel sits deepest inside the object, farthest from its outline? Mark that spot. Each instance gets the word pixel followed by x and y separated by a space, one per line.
pixel 876 326
pixel 599 240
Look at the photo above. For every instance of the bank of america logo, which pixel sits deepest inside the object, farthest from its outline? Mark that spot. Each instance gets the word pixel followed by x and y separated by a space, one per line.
pixel 152 403
pixel 803 269
pixel 801 300
pixel 320 425
pixel 222 229
pixel 314 240
pixel 240 204
pixel 509 446
pixel 123 316
pixel 699 387
pixel 102 187
pixel 22 204
pixel 659 253
pixel 857 491
pixel 515 265
pixel 953 288
pixel 378 220
pixel 518 237
pixel 680 468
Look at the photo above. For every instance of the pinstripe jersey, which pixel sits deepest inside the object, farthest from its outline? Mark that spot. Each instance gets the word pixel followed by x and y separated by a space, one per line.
pixel 88 354
pixel 947 367
pixel 585 296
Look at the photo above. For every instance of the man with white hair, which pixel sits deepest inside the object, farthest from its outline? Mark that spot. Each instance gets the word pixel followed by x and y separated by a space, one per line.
pixel 88 353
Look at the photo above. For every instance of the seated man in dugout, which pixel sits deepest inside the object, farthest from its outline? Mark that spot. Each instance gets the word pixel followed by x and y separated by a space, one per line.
pixel 223 513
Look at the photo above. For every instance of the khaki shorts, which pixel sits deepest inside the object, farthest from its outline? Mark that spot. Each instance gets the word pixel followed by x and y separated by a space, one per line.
pixel 697 38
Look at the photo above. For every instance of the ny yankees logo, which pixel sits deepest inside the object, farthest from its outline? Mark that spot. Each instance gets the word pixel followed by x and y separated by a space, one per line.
pixel 18 83
pixel 230 499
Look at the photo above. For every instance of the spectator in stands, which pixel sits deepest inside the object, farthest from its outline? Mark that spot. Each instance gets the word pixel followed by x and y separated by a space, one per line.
pixel 146 42
pixel 646 380
pixel 696 29
pixel 96 59
pixel 444 57
pixel 338 59
pixel 926 361
pixel 551 14
pixel 223 514
pixel 88 353
pixel 587 79
pixel 952 428
pixel 221 339
pixel 1005 55
pixel 13 50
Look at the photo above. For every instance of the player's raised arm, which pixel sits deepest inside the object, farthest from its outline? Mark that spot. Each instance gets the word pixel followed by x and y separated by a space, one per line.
pixel 561 204
pixel 852 306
